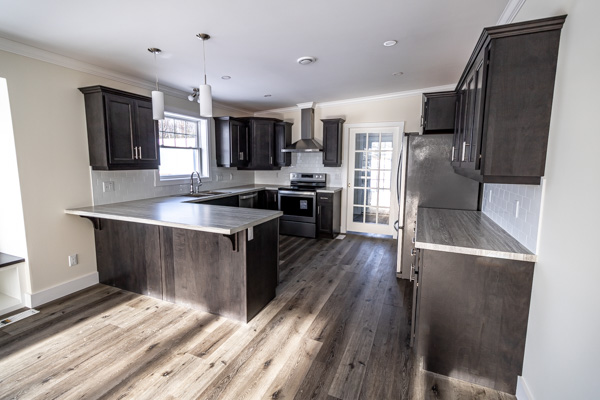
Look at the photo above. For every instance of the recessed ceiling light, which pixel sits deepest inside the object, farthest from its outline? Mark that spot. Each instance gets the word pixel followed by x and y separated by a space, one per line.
pixel 398 73
pixel 390 43
pixel 267 95
pixel 306 60
pixel 226 77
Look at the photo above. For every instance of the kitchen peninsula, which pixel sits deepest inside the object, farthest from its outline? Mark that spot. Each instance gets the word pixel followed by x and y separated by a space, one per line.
pixel 214 258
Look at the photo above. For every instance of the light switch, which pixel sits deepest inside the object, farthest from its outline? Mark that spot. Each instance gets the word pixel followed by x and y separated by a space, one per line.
pixel 250 233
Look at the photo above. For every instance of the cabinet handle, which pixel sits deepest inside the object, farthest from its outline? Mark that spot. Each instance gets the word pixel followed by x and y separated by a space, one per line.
pixel 140 152
pixel 452 158
pixel 464 150
pixel 271 158
pixel 412 270
pixel 319 210
pixel 241 156
pixel 135 156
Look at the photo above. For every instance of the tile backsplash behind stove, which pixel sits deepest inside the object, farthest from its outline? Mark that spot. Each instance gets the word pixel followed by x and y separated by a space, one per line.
pixel 301 162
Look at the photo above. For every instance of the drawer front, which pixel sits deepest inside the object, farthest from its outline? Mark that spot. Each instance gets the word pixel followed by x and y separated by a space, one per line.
pixel 324 197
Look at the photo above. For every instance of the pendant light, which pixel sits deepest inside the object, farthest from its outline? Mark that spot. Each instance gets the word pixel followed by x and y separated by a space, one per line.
pixel 205 91
pixel 158 98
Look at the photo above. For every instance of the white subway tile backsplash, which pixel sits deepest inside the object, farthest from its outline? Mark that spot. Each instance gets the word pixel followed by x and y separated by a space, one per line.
pixel 301 162
pixel 500 207
pixel 139 184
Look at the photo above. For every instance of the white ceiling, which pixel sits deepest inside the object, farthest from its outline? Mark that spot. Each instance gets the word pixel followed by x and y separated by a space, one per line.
pixel 257 43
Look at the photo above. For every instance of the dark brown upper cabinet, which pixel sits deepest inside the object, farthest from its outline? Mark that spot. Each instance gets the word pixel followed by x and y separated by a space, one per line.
pixel 332 142
pixel 262 143
pixel 439 110
pixel 232 142
pixel 252 143
pixel 121 131
pixel 283 138
pixel 502 114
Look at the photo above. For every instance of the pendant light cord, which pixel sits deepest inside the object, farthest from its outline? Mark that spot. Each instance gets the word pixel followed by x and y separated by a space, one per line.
pixel 156 70
pixel 204 59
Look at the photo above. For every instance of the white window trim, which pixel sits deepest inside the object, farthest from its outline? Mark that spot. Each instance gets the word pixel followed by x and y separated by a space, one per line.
pixel 182 180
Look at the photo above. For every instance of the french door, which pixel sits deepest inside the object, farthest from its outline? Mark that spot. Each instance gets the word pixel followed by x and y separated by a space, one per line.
pixel 372 173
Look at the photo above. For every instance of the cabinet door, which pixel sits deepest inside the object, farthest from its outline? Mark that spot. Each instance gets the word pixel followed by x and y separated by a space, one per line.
pixel 262 144
pixel 119 129
pixel 325 214
pixel 283 138
pixel 472 139
pixel 458 121
pixel 330 145
pixel 240 144
pixel 438 112
pixel 332 142
pixel 271 200
pixel 146 134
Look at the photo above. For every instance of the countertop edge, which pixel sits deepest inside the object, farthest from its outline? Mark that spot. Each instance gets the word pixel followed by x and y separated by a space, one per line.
pixel 477 252
pixel 209 229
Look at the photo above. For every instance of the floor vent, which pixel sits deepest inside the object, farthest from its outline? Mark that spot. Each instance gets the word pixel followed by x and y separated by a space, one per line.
pixel 340 237
pixel 17 317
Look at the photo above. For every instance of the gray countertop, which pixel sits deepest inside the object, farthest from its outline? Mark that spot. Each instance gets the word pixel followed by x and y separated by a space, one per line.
pixel 467 232
pixel 179 212
pixel 329 189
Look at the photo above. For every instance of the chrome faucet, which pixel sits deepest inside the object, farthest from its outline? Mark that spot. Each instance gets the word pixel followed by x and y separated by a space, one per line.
pixel 197 188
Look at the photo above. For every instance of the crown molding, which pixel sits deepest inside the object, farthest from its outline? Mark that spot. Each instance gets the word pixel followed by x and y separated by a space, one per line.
pixel 510 11
pixel 387 96
pixel 36 53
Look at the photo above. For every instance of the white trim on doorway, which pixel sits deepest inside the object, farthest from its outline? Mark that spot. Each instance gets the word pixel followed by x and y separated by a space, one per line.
pixel 346 155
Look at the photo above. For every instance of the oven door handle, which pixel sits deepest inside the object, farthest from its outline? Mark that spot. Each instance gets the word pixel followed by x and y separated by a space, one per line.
pixel 297 194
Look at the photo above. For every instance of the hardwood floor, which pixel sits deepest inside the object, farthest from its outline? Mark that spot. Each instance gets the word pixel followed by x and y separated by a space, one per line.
pixel 338 329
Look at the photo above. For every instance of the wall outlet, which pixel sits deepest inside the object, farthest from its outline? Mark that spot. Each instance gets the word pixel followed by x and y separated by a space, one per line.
pixel 219 177
pixel 73 260
pixel 108 186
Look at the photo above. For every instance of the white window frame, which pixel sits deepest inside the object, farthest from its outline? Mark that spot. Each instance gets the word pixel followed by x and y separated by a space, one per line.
pixel 206 155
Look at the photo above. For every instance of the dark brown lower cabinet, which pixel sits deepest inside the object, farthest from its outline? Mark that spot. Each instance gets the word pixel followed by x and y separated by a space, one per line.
pixel 221 274
pixel 472 317
pixel 328 214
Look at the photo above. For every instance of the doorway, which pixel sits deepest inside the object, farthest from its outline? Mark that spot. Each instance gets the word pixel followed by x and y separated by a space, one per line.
pixel 373 154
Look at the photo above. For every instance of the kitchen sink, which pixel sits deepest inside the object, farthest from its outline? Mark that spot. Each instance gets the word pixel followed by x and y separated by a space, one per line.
pixel 204 194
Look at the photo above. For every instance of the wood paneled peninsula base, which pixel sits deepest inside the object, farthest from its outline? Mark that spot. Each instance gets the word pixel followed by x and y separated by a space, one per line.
pixel 227 275
pixel 223 260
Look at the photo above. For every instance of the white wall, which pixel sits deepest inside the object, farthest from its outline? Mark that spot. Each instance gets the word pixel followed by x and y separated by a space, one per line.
pixel 12 227
pixel 50 144
pixel 562 349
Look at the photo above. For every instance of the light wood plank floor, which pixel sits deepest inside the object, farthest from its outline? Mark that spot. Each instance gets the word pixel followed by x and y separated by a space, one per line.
pixel 338 329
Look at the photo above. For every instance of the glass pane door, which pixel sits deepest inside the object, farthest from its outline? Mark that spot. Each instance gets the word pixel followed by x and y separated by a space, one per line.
pixel 371 176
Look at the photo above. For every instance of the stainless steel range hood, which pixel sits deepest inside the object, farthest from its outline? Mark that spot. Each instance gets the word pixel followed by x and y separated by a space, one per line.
pixel 307 143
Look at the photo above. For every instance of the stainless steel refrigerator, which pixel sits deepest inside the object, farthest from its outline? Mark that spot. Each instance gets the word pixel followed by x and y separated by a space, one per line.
pixel 426 179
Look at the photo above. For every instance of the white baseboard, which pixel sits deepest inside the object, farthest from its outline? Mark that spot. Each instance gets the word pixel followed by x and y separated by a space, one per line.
pixel 523 392
pixel 32 300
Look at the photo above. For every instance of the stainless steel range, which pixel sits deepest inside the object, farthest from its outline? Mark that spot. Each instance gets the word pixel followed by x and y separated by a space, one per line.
pixel 299 204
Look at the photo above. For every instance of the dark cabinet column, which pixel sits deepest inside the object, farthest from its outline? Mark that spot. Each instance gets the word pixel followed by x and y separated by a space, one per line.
pixel 332 142
pixel 283 138
pixel 328 214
